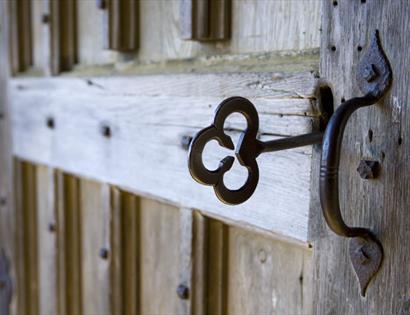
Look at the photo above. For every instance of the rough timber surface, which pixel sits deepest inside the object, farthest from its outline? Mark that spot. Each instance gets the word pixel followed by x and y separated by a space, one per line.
pixel 382 204
pixel 148 115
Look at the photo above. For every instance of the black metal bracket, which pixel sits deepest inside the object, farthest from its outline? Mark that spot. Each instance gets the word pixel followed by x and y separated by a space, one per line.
pixel 374 78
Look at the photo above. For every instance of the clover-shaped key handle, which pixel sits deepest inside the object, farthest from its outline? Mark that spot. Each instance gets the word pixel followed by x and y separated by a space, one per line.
pixel 247 151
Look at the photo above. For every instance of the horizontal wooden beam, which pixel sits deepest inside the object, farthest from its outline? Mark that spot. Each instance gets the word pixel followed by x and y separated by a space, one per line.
pixel 127 131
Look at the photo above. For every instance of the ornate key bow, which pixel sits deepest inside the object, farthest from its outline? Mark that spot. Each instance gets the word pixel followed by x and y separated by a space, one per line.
pixel 248 149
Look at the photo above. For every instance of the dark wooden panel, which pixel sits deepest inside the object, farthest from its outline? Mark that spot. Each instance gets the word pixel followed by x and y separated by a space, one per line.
pixel 125 253
pixel 63 37
pixel 27 255
pixel 205 20
pixel 21 52
pixel 69 245
pixel 121 24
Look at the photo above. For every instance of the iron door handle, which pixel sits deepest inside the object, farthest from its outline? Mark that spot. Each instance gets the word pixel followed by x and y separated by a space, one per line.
pixel 374 76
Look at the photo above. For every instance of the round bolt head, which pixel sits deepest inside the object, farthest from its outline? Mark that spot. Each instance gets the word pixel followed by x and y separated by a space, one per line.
pixel 183 292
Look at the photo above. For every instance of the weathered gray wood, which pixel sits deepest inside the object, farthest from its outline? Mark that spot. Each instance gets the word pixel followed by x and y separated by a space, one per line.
pixel 159 264
pixel 381 204
pixel 148 117
pixel 95 247
pixel 7 209
pixel 267 276
pixel 91 34
pixel 47 240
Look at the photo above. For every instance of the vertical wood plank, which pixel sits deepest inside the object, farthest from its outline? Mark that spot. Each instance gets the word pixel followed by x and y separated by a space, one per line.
pixel 186 257
pixel 27 272
pixel 205 20
pixel 121 25
pixel 21 52
pixel 69 245
pixel 62 35
pixel 47 240
pixel 216 269
pixel 95 231
pixel 159 258
pixel 267 276
pixel 8 236
pixel 125 253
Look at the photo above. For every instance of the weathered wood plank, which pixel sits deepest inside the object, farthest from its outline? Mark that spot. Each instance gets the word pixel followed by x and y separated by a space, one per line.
pixel 91 34
pixel 125 258
pixel 122 25
pixel 256 26
pixel 69 245
pixel 143 152
pixel 47 240
pixel 21 53
pixel 63 38
pixel 205 20
pixel 267 276
pixel 159 264
pixel 381 204
pixel 8 227
pixel 27 241
pixel 95 230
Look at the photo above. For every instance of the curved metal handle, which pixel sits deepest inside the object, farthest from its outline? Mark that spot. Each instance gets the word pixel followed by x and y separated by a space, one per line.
pixel 374 77
pixel 329 167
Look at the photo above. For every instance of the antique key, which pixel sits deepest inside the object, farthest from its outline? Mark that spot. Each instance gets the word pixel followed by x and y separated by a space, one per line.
pixel 248 149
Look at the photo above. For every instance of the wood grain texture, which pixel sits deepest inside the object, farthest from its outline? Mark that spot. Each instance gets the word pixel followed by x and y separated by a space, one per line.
pixel 47 240
pixel 8 227
pixel 159 263
pixel 69 245
pixel 267 276
pixel 381 204
pixel 27 244
pixel 125 257
pixel 95 244
pixel 291 25
pixel 144 153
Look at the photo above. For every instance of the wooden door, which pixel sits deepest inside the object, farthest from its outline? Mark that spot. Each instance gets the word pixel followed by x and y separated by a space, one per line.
pixel 104 98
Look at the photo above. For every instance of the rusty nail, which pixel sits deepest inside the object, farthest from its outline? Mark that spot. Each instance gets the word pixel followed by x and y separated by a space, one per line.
pixel 370 73
pixel 183 291
pixel 368 169
pixel 185 142
pixel 103 253
pixel 45 18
